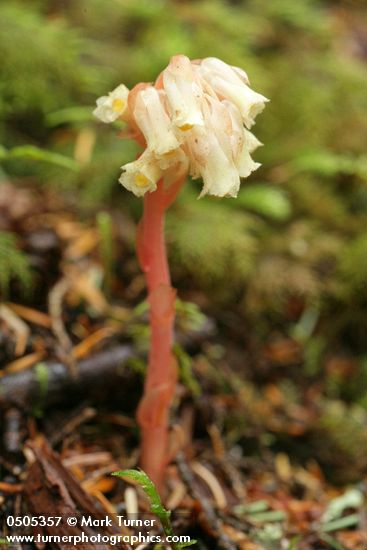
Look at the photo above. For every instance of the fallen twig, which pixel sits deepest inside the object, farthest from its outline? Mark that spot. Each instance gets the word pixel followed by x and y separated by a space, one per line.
pixel 55 301
pixel 102 372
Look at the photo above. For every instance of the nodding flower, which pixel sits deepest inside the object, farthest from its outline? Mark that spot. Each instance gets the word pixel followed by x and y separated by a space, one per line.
pixel 154 122
pixel 112 106
pixel 196 117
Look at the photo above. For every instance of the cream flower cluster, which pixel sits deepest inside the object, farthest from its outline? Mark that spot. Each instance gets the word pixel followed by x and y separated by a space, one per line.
pixel 195 119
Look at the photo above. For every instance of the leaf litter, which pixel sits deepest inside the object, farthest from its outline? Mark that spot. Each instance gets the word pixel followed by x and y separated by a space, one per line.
pixel 258 465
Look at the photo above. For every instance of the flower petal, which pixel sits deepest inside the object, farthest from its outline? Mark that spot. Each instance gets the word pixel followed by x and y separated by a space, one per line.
pixel 154 122
pixel 142 175
pixel 212 66
pixel 220 176
pixel 249 103
pixel 208 160
pixel 110 108
pixel 183 92
pixel 245 164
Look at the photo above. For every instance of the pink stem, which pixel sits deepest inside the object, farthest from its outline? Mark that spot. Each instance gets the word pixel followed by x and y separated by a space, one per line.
pixel 153 410
pixel 173 190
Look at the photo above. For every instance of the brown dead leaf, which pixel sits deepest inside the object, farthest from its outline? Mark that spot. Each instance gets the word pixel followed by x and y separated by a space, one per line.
pixel 50 486
pixel 66 228
pixel 10 488
pixel 31 315
pixel 353 540
pixel 84 348
pixel 238 537
pixel 17 326
pixel 274 395
pixel 101 485
pixel 344 367
pixel 283 351
pixel 283 466
pixel 82 281
pixel 82 245
pixel 23 363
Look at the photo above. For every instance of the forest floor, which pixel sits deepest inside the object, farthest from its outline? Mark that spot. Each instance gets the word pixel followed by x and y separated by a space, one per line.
pixel 265 459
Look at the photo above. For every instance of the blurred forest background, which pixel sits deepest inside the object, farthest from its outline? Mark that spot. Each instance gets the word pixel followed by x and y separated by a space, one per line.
pixel 283 268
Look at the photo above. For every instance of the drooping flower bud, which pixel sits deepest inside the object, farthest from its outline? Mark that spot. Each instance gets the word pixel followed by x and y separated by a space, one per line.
pixel 110 107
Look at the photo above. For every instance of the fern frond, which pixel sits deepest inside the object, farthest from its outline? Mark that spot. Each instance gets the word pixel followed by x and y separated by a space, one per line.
pixel 14 264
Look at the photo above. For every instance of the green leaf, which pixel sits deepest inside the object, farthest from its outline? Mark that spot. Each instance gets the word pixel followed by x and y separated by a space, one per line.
pixel 293 544
pixel 156 505
pixel 190 316
pixel 185 368
pixel 269 534
pixel 252 508
pixel 148 487
pixel 267 517
pixel 350 499
pixel 332 542
pixel 69 115
pixel 342 523
pixel 266 201
pixel 36 153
